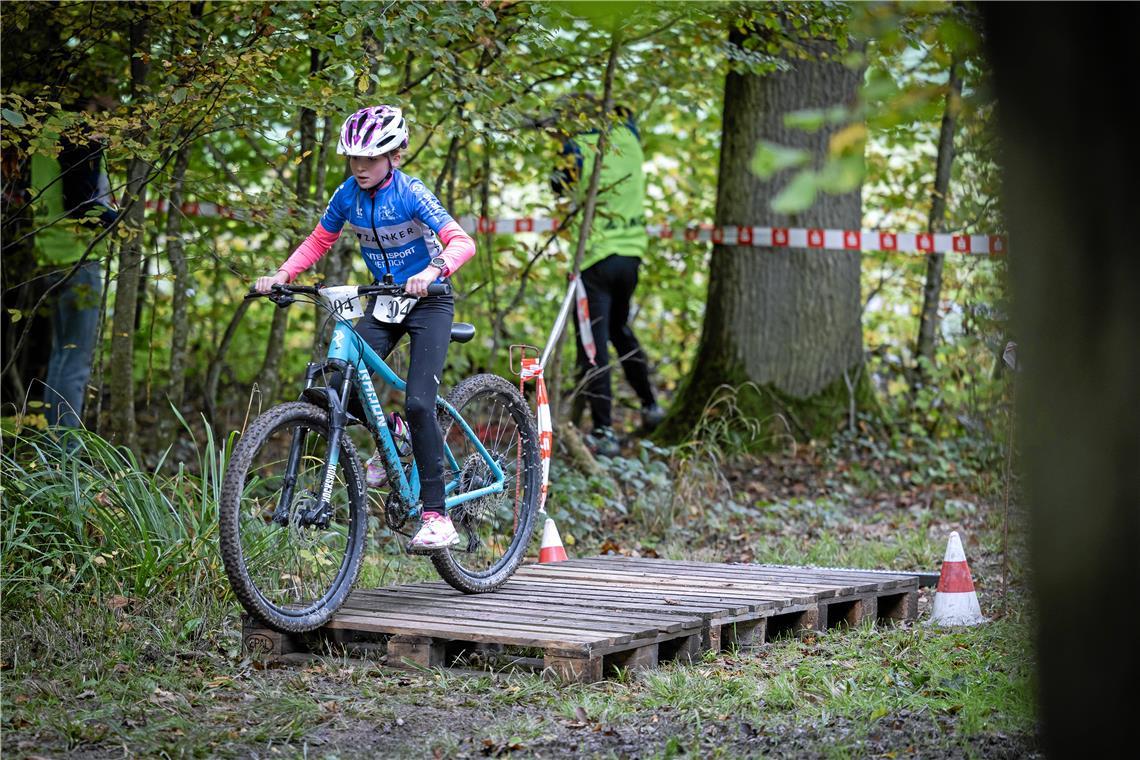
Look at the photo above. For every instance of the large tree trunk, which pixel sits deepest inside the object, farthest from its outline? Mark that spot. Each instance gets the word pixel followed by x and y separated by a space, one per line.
pixel 122 422
pixel 932 292
pixel 1071 153
pixel 786 320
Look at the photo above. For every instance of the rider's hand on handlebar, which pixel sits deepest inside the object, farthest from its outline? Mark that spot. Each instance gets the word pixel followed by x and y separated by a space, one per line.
pixel 417 284
pixel 265 284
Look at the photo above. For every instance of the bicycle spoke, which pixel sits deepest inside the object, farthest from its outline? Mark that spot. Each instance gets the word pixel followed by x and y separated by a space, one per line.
pixel 489 526
pixel 293 555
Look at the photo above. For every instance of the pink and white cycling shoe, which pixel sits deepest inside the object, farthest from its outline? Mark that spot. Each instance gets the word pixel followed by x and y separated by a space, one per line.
pixel 434 534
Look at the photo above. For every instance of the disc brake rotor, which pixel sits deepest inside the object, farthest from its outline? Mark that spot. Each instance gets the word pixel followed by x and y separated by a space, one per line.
pixel 305 535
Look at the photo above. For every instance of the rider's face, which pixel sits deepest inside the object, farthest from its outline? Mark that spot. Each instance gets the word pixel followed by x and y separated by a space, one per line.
pixel 370 170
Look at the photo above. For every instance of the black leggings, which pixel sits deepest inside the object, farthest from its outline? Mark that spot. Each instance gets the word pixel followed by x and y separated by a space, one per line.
pixel 609 288
pixel 429 325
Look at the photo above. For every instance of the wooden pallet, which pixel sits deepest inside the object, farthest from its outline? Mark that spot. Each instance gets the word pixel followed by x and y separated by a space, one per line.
pixel 587 617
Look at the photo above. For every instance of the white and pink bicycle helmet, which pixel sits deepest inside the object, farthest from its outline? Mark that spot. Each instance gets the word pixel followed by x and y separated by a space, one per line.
pixel 373 131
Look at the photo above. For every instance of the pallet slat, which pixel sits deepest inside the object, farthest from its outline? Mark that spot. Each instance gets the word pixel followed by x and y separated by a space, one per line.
pixel 590 615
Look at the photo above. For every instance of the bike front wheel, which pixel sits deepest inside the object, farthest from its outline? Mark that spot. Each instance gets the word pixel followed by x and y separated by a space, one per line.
pixel 290 564
pixel 494 530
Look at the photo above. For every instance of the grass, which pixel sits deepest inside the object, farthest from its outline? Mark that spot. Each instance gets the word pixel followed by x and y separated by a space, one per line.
pixel 142 650
pixel 80 514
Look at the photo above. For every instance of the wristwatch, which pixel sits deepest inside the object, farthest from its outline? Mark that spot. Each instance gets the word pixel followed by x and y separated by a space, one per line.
pixel 441 265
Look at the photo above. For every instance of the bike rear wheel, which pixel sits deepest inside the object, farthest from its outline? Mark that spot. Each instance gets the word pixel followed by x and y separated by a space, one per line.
pixel 494 530
pixel 291 567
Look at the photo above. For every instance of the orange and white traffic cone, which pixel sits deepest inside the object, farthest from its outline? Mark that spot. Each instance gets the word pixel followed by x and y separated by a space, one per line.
pixel 552 549
pixel 955 601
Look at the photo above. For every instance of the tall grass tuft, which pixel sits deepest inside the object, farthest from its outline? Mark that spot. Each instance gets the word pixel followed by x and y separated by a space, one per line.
pixel 79 514
pixel 724 430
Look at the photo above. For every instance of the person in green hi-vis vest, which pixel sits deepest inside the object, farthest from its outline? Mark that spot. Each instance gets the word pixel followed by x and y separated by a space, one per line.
pixel 617 243
pixel 71 200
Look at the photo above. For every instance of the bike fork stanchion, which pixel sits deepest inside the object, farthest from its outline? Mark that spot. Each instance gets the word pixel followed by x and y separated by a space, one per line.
pixel 337 417
pixel 281 514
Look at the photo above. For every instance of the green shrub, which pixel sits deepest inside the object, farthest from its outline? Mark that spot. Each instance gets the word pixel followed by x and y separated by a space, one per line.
pixel 79 514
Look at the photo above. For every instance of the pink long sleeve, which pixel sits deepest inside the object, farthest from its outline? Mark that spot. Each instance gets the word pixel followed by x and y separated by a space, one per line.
pixel 310 251
pixel 458 247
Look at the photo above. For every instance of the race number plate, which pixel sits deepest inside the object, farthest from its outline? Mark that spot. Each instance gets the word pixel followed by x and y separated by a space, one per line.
pixel 392 309
pixel 344 300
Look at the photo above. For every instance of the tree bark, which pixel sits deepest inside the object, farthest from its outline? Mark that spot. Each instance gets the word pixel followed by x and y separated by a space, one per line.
pixel 180 300
pixel 785 322
pixel 1070 154
pixel 932 292
pixel 122 407
pixel 214 374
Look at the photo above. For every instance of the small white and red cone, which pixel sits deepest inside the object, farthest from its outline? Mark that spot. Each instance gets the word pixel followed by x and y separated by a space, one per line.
pixel 955 601
pixel 552 549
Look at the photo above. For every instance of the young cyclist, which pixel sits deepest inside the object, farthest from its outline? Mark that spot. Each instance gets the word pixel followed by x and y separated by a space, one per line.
pixel 400 225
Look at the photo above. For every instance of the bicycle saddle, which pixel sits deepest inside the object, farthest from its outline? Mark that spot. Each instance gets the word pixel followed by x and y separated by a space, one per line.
pixel 461 332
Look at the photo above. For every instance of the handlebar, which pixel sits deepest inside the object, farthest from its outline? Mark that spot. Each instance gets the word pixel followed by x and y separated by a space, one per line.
pixel 282 295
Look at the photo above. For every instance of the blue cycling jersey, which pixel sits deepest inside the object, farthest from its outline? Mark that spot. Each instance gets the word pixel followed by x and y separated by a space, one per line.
pixel 401 218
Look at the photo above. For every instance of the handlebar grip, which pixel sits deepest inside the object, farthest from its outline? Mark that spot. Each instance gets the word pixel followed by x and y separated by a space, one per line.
pixel 439 289
pixel 276 290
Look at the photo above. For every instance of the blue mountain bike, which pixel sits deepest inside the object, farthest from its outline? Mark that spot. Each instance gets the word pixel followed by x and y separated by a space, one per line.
pixel 294 512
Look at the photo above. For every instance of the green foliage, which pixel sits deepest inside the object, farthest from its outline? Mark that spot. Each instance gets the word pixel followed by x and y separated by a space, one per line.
pixel 906 52
pixel 81 516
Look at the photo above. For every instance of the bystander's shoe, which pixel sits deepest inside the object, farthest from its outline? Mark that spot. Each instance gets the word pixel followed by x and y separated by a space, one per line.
pixel 603 442
pixel 651 417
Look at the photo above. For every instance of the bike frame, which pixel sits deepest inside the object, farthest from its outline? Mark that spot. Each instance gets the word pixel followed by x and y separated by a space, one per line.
pixel 355 359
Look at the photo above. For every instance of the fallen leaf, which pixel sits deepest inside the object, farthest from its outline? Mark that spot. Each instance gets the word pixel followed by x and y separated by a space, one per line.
pixel 609 547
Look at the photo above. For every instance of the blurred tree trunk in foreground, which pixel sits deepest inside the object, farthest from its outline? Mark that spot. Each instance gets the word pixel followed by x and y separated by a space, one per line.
pixel 1071 159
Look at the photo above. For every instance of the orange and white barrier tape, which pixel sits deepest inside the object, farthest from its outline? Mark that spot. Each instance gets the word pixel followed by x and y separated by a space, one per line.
pixel 585 330
pixel 532 370
pixel 818 238
pixel 199 208
pixel 779 237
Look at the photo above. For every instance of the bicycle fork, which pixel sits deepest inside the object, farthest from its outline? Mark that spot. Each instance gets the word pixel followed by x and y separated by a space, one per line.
pixel 320 513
